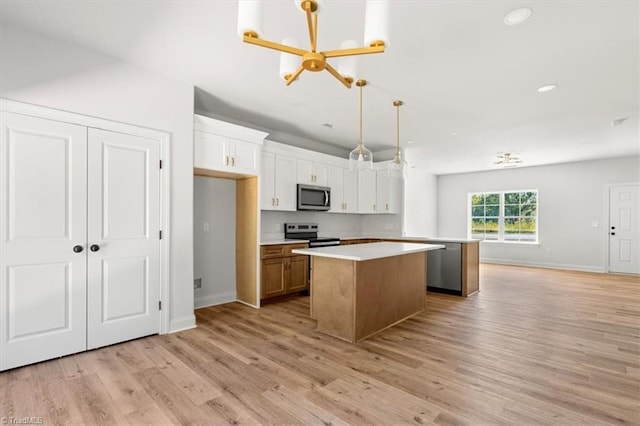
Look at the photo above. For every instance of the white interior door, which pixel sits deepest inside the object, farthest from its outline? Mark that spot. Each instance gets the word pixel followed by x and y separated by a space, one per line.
pixel 123 237
pixel 624 235
pixel 43 179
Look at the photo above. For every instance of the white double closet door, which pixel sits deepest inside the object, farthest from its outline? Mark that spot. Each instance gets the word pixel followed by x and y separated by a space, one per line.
pixel 79 249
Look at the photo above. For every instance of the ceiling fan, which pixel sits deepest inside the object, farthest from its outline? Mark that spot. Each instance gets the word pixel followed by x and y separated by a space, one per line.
pixel 508 159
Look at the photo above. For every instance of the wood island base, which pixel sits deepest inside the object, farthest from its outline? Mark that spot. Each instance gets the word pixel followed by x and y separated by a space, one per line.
pixel 352 300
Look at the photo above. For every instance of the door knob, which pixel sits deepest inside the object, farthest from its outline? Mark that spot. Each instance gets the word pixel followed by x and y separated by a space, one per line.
pixel 613 227
pixel 94 247
pixel 613 233
pixel 77 249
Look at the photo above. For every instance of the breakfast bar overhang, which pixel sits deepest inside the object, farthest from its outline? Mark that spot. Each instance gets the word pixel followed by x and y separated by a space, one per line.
pixel 360 290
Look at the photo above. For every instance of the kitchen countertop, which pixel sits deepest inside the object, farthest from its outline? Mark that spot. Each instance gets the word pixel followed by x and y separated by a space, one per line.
pixel 360 252
pixel 274 241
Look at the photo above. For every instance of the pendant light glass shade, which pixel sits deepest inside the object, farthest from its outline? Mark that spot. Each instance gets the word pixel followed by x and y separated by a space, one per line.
pixel 360 158
pixel 398 166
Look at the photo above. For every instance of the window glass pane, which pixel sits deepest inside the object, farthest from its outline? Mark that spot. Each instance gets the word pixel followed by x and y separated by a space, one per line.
pixel 528 230
pixel 491 229
pixel 492 211
pixel 512 229
pixel 477 211
pixel 528 210
pixel 492 199
pixel 477 229
pixel 511 210
pixel 477 199
pixel 528 197
pixel 512 198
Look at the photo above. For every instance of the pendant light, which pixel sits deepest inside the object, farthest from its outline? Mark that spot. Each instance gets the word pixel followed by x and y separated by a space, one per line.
pixel 398 167
pixel 360 158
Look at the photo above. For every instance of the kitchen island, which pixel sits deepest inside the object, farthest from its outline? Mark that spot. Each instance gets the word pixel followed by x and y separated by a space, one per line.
pixel 360 290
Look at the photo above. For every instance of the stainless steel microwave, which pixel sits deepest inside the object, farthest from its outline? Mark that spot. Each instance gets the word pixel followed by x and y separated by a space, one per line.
pixel 312 197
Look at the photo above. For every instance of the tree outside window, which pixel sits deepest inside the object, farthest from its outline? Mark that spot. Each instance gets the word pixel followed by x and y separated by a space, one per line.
pixel 510 216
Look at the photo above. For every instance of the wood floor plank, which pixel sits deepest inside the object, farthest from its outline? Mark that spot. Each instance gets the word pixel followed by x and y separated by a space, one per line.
pixel 534 346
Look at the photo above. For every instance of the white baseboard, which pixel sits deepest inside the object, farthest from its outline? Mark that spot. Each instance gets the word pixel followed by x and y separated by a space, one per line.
pixel 182 323
pixel 583 268
pixel 214 299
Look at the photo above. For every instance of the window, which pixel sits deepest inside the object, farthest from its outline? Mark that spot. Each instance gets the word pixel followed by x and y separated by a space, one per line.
pixel 510 216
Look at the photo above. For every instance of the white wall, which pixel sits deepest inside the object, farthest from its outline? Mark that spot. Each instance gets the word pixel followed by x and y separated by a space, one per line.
pixel 572 197
pixel 214 204
pixel 45 72
pixel 420 204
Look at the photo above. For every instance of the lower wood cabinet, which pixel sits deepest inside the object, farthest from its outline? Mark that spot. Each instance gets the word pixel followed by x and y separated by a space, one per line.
pixel 282 272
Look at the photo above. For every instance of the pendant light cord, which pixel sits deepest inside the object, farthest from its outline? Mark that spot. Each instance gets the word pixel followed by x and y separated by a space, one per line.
pixel 360 141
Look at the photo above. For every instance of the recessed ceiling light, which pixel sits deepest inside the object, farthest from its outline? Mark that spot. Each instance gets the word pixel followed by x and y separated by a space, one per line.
pixel 547 88
pixel 409 141
pixel 517 16
pixel 454 134
pixel 327 125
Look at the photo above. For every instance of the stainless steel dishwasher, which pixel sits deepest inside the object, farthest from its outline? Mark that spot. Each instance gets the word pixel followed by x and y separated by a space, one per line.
pixel 444 269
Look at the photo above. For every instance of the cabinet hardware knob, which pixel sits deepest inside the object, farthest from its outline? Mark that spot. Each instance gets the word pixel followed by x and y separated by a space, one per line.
pixel 277 201
pixel 233 161
pixel 226 160
pixel 374 207
pixel 387 206
pixel 78 249
pixel 94 247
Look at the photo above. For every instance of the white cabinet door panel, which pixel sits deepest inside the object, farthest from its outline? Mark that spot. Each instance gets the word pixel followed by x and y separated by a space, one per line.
pixel 335 180
pixel 350 191
pixel 285 183
pixel 123 206
pixel 244 157
pixel 367 191
pixel 210 151
pixel 43 216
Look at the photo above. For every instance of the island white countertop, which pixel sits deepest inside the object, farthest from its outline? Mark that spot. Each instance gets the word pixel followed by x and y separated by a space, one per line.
pixel 369 251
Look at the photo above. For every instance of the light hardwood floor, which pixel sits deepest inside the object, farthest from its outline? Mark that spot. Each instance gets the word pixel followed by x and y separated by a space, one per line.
pixel 535 346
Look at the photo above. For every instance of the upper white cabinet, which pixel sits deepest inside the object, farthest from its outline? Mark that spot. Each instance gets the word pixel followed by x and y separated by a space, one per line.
pixel 344 190
pixel 278 182
pixel 226 147
pixel 388 192
pixel 367 180
pixel 312 173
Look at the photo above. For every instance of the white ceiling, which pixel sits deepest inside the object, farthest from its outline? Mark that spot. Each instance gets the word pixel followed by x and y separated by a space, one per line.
pixel 468 81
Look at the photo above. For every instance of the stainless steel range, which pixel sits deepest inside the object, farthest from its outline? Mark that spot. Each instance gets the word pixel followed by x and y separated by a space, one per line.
pixel 308 231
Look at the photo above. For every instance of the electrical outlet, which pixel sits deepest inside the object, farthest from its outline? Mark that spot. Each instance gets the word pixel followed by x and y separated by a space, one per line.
pixel 205 227
pixel 197 283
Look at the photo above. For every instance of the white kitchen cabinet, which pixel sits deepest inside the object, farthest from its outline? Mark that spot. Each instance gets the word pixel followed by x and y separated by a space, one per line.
pixel 222 153
pixel 387 192
pixel 277 182
pixel 344 190
pixel 79 237
pixel 226 147
pixel 367 180
pixel 312 173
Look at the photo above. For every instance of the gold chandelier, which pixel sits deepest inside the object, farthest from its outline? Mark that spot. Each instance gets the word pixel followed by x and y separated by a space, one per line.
pixel 375 37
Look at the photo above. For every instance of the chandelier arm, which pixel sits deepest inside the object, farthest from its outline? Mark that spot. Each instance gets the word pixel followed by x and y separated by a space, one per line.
pixel 312 24
pixel 275 46
pixel 354 51
pixel 295 75
pixel 337 75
